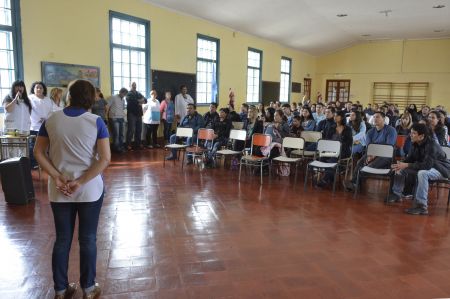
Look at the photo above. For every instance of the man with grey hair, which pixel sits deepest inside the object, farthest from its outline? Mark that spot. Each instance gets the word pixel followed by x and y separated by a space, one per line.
pixel 116 115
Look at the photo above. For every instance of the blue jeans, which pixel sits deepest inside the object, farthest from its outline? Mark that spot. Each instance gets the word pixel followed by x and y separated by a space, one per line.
pixel 65 214
pixel 167 127
pixel 173 139
pixel 33 141
pixel 117 132
pixel 423 176
pixel 134 129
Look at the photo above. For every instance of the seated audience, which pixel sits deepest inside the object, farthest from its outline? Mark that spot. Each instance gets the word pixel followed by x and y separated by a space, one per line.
pixel 319 115
pixel 288 113
pixel 380 134
pixel 326 124
pixel 404 128
pixel 191 120
pixel 222 128
pixel 296 127
pixel 244 111
pixel 339 132
pixel 412 109
pixel 438 130
pixel 424 113
pixel 233 116
pixel 307 119
pixel 211 116
pixel 358 128
pixel 425 161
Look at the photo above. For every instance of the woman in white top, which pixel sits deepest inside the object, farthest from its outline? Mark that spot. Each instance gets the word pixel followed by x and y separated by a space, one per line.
pixel 17 109
pixel 41 106
pixel 73 148
pixel 151 119
pixel 56 97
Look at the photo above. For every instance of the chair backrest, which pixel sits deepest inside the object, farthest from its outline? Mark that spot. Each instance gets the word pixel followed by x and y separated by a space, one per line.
pixel 332 148
pixel 238 135
pixel 261 139
pixel 446 150
pixel 184 132
pixel 205 134
pixel 380 150
pixel 238 125
pixel 311 136
pixel 293 142
pixel 401 139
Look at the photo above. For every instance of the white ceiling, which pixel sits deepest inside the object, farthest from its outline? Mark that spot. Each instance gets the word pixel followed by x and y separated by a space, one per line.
pixel 312 26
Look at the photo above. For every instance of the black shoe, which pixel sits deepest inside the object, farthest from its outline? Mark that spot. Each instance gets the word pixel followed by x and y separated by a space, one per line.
pixel 322 183
pixel 393 198
pixel 407 196
pixel 419 210
pixel 349 186
pixel 189 162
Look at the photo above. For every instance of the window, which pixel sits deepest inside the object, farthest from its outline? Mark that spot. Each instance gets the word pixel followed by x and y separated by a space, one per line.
pixel 285 80
pixel 10 45
pixel 207 70
pixel 338 90
pixel 254 75
pixel 130 51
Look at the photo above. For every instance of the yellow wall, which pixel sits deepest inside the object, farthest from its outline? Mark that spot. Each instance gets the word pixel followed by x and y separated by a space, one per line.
pixel 77 32
pixel 392 61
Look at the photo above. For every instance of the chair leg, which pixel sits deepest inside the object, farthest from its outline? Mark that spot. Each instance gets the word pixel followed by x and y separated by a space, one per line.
pixel 182 162
pixel 261 173
pixel 296 168
pixel 306 177
pixel 335 178
pixel 357 185
pixel 240 169
pixel 164 158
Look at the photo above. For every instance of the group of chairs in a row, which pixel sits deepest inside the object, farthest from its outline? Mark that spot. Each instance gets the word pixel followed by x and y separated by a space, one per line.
pixel 314 160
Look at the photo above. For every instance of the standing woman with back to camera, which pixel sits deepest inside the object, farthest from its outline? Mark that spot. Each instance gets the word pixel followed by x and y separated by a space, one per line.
pixel 77 142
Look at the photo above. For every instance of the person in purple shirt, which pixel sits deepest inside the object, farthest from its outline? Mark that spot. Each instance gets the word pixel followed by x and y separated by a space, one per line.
pixel 380 134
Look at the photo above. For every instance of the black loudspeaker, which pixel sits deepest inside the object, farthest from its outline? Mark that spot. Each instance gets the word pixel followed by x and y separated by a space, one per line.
pixel 16 180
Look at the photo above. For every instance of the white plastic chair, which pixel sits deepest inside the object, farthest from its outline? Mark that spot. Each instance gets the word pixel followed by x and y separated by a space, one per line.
pixel 381 151
pixel 308 136
pixel 181 133
pixel 328 149
pixel 295 144
pixel 239 135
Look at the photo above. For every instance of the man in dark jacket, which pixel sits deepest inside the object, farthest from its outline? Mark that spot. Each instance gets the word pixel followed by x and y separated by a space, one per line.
pixel 326 124
pixel 427 161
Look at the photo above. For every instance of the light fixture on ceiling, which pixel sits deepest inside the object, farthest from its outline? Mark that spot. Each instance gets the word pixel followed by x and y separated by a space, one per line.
pixel 386 12
pixel 439 6
pixel 438 30
pixel 365 35
pixel 341 15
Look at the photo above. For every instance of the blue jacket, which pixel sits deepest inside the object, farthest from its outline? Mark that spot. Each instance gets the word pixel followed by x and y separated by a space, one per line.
pixel 194 121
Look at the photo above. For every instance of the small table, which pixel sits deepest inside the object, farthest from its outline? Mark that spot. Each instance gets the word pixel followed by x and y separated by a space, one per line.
pixel 15 146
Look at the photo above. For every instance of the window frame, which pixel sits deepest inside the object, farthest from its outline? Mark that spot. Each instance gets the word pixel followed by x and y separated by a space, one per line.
pixel 260 52
pixel 146 23
pixel 16 31
pixel 217 61
pixel 290 78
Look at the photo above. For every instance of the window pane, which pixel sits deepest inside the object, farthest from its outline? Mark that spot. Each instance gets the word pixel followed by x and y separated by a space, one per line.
pixel 5 13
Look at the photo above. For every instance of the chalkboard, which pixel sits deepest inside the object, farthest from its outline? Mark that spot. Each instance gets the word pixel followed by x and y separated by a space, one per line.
pixel 270 91
pixel 164 81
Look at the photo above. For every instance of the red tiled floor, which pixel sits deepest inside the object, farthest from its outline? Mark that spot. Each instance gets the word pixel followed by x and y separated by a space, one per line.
pixel 198 233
